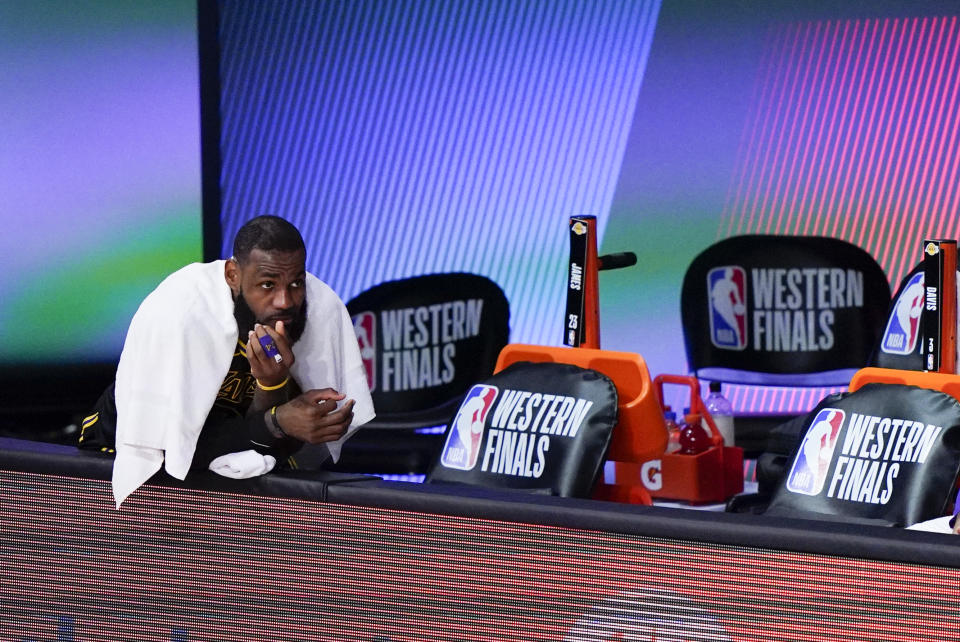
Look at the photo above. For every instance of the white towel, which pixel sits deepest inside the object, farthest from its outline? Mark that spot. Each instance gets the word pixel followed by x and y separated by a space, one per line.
pixel 935 525
pixel 177 352
pixel 243 465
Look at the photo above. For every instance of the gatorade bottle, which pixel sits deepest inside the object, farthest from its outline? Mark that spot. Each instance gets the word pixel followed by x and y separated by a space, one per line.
pixel 703 423
pixel 721 410
pixel 673 430
pixel 694 439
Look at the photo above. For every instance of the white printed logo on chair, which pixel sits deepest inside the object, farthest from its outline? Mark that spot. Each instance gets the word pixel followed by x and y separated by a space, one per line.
pixel 727 296
pixel 809 471
pixel 466 434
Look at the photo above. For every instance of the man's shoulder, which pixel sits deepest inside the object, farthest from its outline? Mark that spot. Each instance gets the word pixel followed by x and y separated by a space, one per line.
pixel 196 273
pixel 326 313
pixel 199 278
pixel 197 288
pixel 321 296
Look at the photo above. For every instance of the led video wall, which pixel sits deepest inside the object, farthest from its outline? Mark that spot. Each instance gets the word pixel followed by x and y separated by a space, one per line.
pixel 177 565
pixel 407 138
pixel 814 118
pixel 853 134
pixel 418 137
pixel 415 137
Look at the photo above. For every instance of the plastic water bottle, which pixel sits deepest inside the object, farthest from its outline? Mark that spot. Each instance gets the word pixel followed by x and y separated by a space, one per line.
pixel 673 430
pixel 721 410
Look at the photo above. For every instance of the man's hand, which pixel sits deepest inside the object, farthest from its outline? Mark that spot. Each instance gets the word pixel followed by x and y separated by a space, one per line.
pixel 267 370
pixel 313 416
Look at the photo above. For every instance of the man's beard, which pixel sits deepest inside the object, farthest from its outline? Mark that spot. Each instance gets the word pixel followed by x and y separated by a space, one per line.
pixel 246 319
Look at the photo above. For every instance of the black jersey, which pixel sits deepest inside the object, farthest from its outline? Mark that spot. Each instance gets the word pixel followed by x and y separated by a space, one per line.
pixel 227 428
pixel 236 391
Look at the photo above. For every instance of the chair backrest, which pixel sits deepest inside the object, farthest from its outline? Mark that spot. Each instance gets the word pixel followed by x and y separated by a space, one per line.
pixel 901 346
pixel 538 427
pixel 425 340
pixel 884 453
pixel 782 310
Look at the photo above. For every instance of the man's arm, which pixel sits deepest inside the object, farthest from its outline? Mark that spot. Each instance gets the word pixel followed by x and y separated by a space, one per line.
pixel 312 417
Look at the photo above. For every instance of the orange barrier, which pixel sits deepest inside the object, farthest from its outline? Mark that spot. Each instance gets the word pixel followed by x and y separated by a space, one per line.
pixel 714 475
pixel 946 383
pixel 637 467
pixel 641 432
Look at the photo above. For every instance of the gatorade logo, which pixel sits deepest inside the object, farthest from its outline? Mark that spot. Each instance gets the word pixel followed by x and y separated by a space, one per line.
pixel 650 474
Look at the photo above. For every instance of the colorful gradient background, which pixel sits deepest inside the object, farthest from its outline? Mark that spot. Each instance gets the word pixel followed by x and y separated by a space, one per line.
pixel 407 138
pixel 836 119
pixel 99 169
pixel 461 136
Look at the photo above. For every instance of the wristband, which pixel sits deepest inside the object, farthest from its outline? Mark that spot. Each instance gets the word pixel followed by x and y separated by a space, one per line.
pixel 276 387
pixel 272 416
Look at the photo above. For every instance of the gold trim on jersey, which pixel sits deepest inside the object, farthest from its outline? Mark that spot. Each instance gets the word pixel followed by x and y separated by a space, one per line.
pixel 86 423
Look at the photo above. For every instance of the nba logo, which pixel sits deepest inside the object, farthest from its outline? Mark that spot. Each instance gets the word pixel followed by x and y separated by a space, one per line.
pixel 903 327
pixel 727 293
pixel 365 327
pixel 809 471
pixel 466 430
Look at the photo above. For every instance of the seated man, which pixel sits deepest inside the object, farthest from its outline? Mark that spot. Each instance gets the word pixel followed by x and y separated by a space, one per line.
pixel 251 353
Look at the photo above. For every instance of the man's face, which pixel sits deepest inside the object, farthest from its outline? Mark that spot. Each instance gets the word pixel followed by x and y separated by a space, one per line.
pixel 273 286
